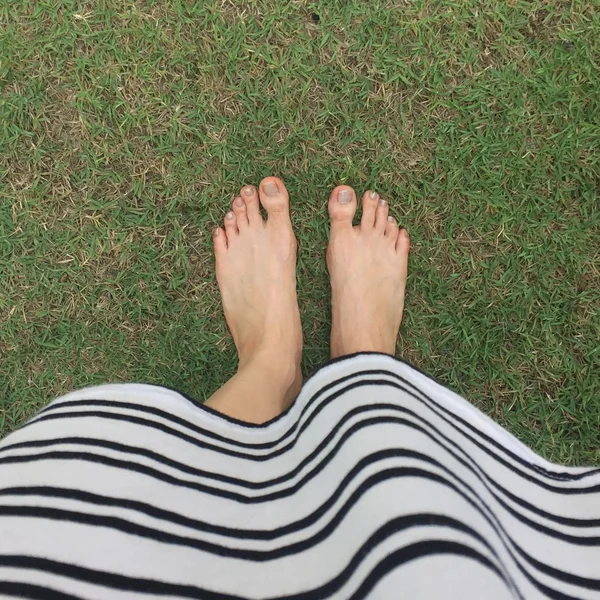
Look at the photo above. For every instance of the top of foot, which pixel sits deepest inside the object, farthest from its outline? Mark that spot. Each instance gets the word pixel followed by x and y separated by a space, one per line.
pixel 256 273
pixel 368 265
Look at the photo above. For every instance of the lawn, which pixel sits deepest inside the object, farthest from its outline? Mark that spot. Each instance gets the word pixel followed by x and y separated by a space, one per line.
pixel 127 126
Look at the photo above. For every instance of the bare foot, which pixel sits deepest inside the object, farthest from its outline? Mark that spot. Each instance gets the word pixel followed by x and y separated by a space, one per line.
pixel 256 273
pixel 368 265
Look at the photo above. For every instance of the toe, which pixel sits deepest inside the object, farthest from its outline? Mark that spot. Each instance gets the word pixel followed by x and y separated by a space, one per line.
pixel 274 198
pixel 403 248
pixel 219 241
pixel 250 197
pixel 342 206
pixel 381 215
pixel 370 202
pixel 240 212
pixel 231 228
pixel 391 229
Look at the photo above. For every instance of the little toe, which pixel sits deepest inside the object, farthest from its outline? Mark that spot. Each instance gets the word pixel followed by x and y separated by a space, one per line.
pixel 239 209
pixel 391 229
pixel 370 203
pixel 274 198
pixel 250 197
pixel 219 242
pixel 381 215
pixel 342 206
pixel 231 228
pixel 403 248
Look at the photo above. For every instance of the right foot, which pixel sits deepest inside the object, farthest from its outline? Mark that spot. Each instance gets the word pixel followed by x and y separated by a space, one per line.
pixel 368 265
pixel 256 273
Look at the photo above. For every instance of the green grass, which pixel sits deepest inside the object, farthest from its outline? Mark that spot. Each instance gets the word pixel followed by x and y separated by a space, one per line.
pixel 126 128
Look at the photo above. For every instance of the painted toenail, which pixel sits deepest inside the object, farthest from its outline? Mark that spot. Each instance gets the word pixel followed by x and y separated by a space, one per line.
pixel 271 188
pixel 383 202
pixel 391 219
pixel 344 196
pixel 229 216
pixel 239 202
pixel 248 191
pixel 373 195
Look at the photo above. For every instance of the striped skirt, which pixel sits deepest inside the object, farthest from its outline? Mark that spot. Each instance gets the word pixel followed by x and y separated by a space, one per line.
pixel 377 482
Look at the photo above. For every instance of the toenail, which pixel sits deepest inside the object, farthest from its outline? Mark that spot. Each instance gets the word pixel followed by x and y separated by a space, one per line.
pixel 229 216
pixel 270 188
pixel 216 232
pixel 248 191
pixel 383 202
pixel 373 195
pixel 391 219
pixel 344 196
pixel 239 202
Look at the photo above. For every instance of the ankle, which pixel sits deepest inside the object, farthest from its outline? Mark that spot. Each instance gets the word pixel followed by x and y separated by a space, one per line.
pixel 279 371
pixel 353 342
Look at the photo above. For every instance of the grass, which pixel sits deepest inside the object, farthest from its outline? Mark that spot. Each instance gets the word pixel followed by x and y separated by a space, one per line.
pixel 126 127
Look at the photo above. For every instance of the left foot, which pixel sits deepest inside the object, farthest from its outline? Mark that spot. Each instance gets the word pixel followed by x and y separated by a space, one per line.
pixel 256 273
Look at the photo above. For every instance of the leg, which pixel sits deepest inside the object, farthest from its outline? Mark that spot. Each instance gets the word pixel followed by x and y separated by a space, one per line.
pixel 368 265
pixel 256 273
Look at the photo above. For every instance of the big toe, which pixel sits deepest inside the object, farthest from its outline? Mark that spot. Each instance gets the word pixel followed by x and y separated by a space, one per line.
pixel 274 197
pixel 342 206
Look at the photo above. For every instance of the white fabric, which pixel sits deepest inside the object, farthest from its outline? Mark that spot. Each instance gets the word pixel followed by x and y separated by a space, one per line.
pixel 377 482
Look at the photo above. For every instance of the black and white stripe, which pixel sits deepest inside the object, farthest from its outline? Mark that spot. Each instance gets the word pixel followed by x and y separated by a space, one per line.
pixel 377 481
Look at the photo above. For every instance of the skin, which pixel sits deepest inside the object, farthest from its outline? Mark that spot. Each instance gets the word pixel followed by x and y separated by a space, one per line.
pixel 256 273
